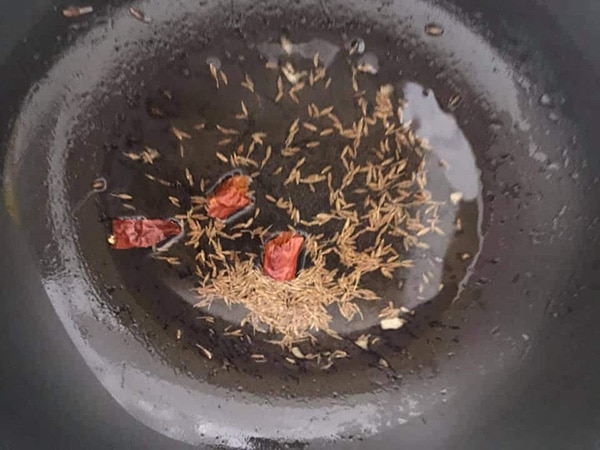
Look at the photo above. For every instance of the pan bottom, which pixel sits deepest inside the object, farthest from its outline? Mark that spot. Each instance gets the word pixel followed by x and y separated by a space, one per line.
pixel 167 93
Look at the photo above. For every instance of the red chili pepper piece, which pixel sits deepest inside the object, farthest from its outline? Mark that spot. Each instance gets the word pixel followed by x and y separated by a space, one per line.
pixel 142 233
pixel 281 255
pixel 229 197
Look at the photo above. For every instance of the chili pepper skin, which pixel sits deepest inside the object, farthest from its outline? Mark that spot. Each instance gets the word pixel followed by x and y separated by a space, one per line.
pixel 141 233
pixel 280 259
pixel 229 197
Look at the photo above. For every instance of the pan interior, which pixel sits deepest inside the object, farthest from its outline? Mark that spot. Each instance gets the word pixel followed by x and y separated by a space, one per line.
pixel 174 88
pixel 146 78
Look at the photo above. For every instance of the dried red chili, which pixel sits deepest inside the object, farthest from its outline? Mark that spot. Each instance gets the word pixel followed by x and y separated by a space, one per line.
pixel 281 255
pixel 141 233
pixel 230 196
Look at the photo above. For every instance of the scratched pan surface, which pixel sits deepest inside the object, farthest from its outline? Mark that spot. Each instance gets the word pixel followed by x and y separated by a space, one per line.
pixel 511 328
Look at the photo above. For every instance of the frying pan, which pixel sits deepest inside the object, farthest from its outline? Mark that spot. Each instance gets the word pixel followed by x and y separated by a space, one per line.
pixel 89 358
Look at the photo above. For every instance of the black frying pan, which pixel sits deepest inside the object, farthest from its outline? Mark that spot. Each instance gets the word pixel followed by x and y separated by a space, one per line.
pixel 509 364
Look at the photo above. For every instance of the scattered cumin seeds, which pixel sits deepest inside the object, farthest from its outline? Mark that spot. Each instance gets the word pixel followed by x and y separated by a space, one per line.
pixel 223 77
pixel 149 155
pixel 267 156
pixel 174 201
pixel 205 351
pixel 248 83
pixel 122 196
pixel 209 319
pixel 244 113
pixel 434 29
pixel 279 86
pixel 326 111
pixel 423 231
pixel 354 81
pixel 289 151
pixel 225 141
pixel 139 15
pixel 172 260
pixel 312 144
pixel 297 353
pixel 236 332
pixel 291 74
pixel 132 156
pixel 454 101
pixel 298 86
pixel 326 132
pixel 227 131
pixel 76 11
pixel 99 184
pixel 189 177
pixel 181 135
pixel 299 164
pixel 214 74
pixel 222 157
pixel 258 137
pixel 459 225
pixel 309 126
